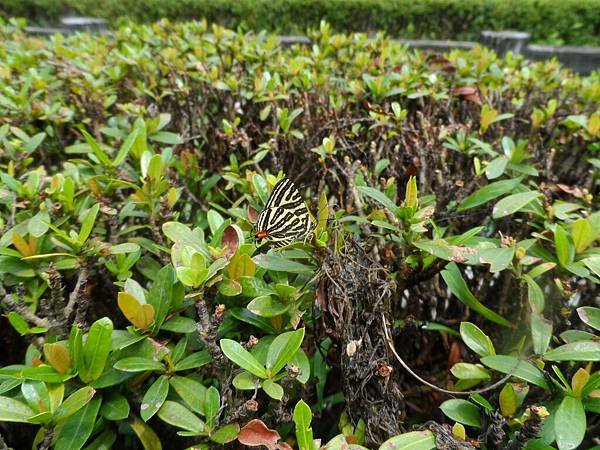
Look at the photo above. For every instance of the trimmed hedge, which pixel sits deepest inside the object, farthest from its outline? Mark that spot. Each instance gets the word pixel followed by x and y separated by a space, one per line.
pixel 458 221
pixel 573 22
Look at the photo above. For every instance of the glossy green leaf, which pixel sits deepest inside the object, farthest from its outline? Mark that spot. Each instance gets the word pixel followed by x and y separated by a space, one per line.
pixel 115 407
pixel 191 392
pixel 462 411
pixel 488 192
pixel 74 403
pixel 272 389
pixel 212 403
pixel 225 434
pixel 267 306
pixel 12 410
pixel 413 440
pixel 145 434
pixel 104 441
pixel 179 416
pixel 280 263
pixel 161 293
pixel 459 288
pixel 302 420
pixel 96 349
pixel 154 398
pixel 590 316
pixel 569 423
pixel 575 351
pixel 193 361
pixel 541 333
pixel 88 223
pixel 242 357
pixel 78 428
pixel 513 203
pixel 378 196
pixel 138 364
pixel 282 350
pixel 520 369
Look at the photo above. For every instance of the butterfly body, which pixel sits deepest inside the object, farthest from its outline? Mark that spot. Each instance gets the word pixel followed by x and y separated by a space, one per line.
pixel 285 217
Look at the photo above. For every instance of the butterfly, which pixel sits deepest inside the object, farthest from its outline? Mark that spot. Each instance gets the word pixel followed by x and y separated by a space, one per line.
pixel 285 217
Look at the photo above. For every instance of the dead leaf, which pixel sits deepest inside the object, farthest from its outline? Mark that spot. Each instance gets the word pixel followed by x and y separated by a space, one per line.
pixel 256 433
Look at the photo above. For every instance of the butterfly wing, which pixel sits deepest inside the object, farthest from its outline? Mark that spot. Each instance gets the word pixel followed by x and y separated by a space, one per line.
pixel 286 216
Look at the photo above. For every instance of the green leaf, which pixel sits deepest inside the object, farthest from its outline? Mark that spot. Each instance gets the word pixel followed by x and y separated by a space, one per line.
pixel 193 361
pixel 191 392
pixel 138 364
pixel 582 234
pixel 242 357
pixel 462 411
pixel 590 316
pixel 88 223
pixel 38 224
pixel 160 295
pixel 145 434
pixel 154 398
pixel 575 351
pixel 593 264
pixel 12 410
pixel 166 137
pixel 212 403
pixel 541 332
pixel 378 196
pixel 414 440
pixel 36 395
pixel 513 203
pixel 569 423
pixel 96 349
pixel 508 400
pixel 535 295
pixel 468 371
pixel 564 250
pixel 272 389
pixel 267 306
pixel 520 369
pixel 496 167
pixel 125 147
pixel 77 429
pixel 279 263
pixel 225 434
pixel 180 324
pixel 179 416
pixel 498 258
pixel 240 265
pixel 103 442
pixel 459 288
pixel 488 192
pixel 74 403
pixel 282 350
pixel 182 234
pixel 96 149
pixel 302 419
pixel 115 407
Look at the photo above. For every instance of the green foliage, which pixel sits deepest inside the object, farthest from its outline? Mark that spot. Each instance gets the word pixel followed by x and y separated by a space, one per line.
pixel 573 22
pixel 131 170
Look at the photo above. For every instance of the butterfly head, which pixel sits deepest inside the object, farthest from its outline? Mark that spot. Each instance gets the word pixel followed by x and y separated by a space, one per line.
pixel 260 235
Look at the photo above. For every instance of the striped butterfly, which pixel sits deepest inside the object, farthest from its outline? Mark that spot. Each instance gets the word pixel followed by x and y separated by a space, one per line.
pixel 285 216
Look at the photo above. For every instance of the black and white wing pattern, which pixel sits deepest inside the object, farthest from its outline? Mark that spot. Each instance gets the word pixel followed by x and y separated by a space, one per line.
pixel 285 217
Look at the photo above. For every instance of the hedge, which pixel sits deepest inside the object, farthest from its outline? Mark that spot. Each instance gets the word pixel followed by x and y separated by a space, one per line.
pixel 456 230
pixel 570 22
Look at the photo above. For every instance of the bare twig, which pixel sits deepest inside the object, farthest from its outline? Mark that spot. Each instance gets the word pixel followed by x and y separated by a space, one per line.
pixel 22 309
pixel 433 386
pixel 77 291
